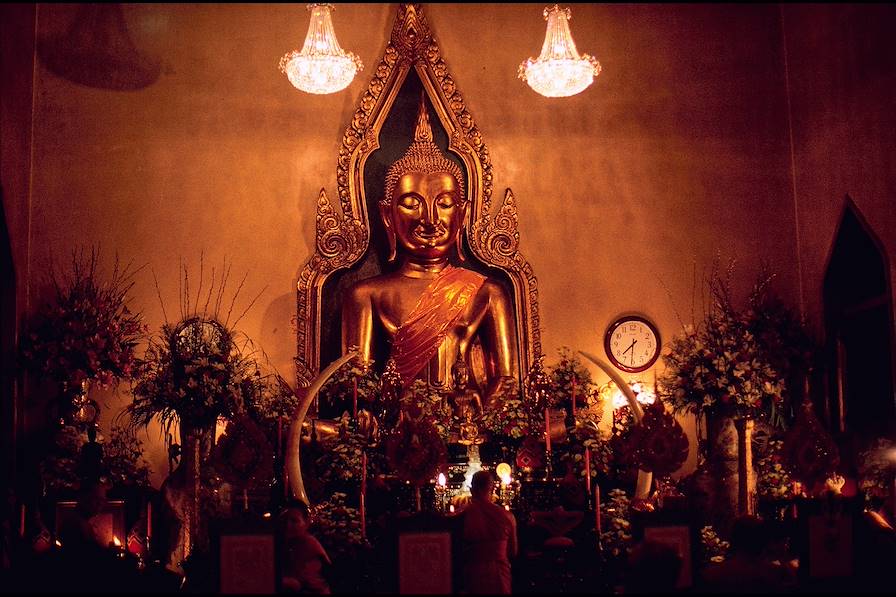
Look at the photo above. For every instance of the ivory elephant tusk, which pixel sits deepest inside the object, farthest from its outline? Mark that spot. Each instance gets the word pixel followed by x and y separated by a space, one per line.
pixel 642 488
pixel 293 440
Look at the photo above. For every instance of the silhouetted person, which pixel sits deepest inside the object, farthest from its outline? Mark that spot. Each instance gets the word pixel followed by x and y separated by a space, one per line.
pixel 90 463
pixel 489 539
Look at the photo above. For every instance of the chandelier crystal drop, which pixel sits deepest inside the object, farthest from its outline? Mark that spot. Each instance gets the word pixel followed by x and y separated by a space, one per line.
pixel 321 66
pixel 559 70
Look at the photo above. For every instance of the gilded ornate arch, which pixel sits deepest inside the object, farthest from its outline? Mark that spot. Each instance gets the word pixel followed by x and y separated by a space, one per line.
pixel 343 238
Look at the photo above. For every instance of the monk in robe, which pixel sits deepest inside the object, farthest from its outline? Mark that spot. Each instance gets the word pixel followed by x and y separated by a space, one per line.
pixel 430 311
pixel 489 540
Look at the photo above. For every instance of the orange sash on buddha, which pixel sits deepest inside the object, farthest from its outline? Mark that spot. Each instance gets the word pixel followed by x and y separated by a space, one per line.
pixel 419 336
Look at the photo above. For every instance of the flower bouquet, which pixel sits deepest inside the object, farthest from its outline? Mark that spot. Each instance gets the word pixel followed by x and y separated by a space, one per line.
pixel 86 330
pixel 509 417
pixel 736 362
pixel 194 372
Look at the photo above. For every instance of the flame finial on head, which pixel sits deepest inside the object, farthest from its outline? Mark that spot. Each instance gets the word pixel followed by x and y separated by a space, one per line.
pixel 422 156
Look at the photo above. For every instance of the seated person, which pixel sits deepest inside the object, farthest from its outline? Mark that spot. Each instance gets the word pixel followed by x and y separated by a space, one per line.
pixel 428 311
pixel 304 557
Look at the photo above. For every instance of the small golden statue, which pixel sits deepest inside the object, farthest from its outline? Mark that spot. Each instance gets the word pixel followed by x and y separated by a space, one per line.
pixel 429 311
pixel 466 405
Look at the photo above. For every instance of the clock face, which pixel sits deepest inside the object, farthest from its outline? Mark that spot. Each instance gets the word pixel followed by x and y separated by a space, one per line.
pixel 632 343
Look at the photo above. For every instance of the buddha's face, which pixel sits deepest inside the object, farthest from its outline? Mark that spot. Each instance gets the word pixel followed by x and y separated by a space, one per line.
pixel 425 214
pixel 461 377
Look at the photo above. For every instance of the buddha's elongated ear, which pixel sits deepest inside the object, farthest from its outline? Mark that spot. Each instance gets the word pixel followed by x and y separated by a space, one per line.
pixel 386 216
pixel 458 238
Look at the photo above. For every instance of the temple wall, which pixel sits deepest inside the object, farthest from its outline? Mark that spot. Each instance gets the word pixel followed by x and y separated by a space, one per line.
pixel 678 153
pixel 842 69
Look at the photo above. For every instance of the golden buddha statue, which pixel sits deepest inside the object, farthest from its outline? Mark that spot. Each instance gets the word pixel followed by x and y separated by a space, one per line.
pixel 429 311
pixel 466 404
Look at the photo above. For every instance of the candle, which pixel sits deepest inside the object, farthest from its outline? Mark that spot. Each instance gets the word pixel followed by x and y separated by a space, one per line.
pixel 588 470
pixel 362 506
pixel 573 397
pixel 363 473
pixel 245 500
pixel 355 397
pixel 363 518
pixel 279 434
pixel 22 521
pixel 547 429
pixel 597 510
pixel 149 520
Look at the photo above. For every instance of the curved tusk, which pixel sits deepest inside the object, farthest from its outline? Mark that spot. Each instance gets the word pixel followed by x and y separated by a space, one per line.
pixel 293 440
pixel 642 488
pixel 620 383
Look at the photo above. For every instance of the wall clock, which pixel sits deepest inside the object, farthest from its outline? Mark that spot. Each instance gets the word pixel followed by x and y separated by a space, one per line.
pixel 632 343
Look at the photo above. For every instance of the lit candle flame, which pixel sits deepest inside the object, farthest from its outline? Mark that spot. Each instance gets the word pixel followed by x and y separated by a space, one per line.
pixel 504 471
pixel 116 541
pixel 442 481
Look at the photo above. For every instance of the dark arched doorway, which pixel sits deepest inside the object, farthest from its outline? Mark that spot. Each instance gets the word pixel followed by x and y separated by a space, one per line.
pixel 858 312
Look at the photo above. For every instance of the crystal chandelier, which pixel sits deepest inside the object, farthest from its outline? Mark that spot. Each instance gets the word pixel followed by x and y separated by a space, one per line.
pixel 322 66
pixel 559 71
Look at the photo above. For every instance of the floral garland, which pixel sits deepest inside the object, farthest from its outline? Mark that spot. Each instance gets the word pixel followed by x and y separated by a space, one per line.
pixel 243 455
pixel 352 377
pixel 87 331
pixel 601 457
pixel 713 549
pixel 569 372
pixel 421 402
pixel 510 418
pixel 273 399
pixel 415 451
pixel 337 526
pixel 341 462
pixel 659 443
pixel 773 478
pixel 617 539
pixel 730 363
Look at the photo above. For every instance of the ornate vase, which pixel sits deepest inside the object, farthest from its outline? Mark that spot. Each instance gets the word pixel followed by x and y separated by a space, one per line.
pixel 182 493
pixel 746 476
pixel 84 410
pixel 731 456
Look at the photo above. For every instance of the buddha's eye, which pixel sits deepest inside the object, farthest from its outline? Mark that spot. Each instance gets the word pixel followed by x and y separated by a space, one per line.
pixel 409 202
pixel 445 201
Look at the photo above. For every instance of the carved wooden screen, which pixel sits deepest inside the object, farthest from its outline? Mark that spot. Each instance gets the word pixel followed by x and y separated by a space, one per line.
pixel 344 234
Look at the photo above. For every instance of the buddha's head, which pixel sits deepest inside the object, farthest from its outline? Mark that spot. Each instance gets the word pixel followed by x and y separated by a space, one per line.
pixel 460 373
pixel 424 206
